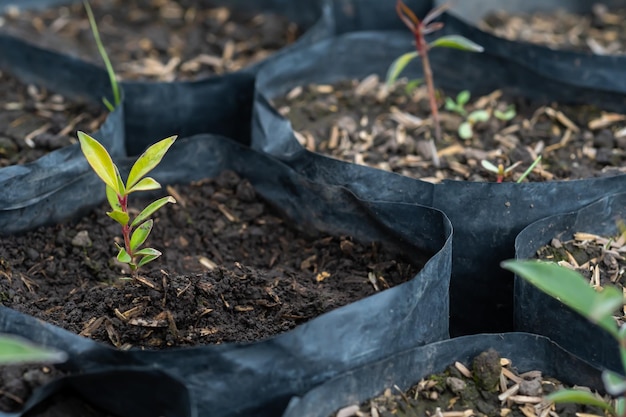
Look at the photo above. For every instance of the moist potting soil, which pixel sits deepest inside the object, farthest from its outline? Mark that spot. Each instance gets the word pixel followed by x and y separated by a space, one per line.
pixel 368 123
pixel 601 31
pixel 488 385
pixel 231 271
pixel 35 121
pixel 158 40
pixel 484 374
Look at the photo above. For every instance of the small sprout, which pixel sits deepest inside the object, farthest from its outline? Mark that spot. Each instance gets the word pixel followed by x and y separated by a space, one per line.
pixel 136 232
pixel 502 173
pixel 412 85
pixel 107 62
pixel 420 28
pixel 466 129
pixel 505 115
pixel 499 170
pixel 570 288
pixel 458 106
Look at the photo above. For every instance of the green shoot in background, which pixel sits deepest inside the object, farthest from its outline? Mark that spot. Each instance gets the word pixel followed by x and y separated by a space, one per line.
pixel 15 350
pixel 107 62
pixel 573 290
pixel 135 232
pixel 419 29
pixel 466 129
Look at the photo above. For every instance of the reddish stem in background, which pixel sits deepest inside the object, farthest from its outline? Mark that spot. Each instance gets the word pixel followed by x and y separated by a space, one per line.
pixel 419 29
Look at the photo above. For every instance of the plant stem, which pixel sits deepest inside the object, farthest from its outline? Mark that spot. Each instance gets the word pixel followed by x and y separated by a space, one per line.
pixel 422 49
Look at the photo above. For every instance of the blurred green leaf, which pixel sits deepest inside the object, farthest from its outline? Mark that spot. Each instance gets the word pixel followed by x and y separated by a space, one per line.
pixel 614 383
pixel 579 397
pixel 398 66
pixel 465 130
pixel 456 42
pixel 478 116
pixel 572 289
pixel 16 350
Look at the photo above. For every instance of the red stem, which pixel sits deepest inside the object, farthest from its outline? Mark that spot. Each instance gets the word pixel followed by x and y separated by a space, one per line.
pixel 422 49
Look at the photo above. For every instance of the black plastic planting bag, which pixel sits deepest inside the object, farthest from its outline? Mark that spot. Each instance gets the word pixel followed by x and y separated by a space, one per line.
pixel 26 190
pixel 534 70
pixel 527 352
pixel 259 378
pixel 539 313
pixel 486 216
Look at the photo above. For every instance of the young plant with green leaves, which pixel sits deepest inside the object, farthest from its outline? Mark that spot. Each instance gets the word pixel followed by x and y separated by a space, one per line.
pixel 502 173
pixel 134 232
pixel 466 129
pixel 573 290
pixel 419 29
pixel 107 62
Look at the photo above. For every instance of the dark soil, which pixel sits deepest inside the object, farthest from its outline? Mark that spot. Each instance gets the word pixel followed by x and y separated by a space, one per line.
pixel 232 271
pixel 601 32
pixel 600 259
pixel 492 387
pixel 34 121
pixel 369 124
pixel 158 39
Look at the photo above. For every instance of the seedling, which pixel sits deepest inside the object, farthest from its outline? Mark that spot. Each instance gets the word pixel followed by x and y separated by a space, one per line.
pixel 107 62
pixel 466 129
pixel 420 28
pixel 571 289
pixel 136 232
pixel 502 173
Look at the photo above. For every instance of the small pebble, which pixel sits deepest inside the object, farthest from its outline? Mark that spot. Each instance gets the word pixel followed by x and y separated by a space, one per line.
pixel 456 385
pixel 531 388
pixel 82 240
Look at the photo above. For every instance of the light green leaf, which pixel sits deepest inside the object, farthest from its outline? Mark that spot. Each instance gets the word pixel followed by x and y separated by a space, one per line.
pixel 140 235
pixel 124 257
pixel 572 289
pixel 412 85
pixel 478 116
pixel 614 383
pixel 465 130
pixel 489 166
pixel 145 184
pixel 456 42
pixel 154 206
pixel 620 406
pixel 16 350
pixel 398 66
pixel 148 160
pixel 463 97
pixel 529 169
pixel 506 115
pixel 105 58
pixel 119 216
pixel 99 159
pixel 149 255
pixel 113 199
pixel 578 397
